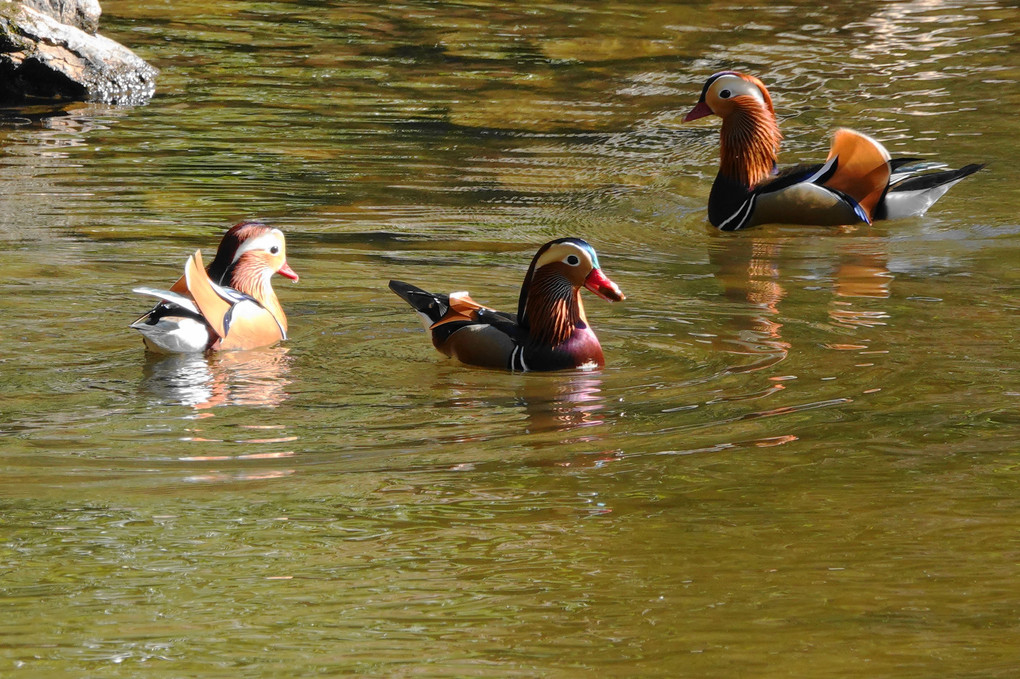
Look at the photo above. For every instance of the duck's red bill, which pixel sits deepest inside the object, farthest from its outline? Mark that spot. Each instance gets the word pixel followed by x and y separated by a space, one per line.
pixel 699 111
pixel 603 287
pixel 288 272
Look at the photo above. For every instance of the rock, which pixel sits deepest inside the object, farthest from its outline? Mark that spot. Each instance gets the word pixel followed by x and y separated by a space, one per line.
pixel 83 14
pixel 41 58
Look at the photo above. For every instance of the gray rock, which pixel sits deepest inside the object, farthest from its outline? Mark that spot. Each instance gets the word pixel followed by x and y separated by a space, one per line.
pixel 83 14
pixel 41 58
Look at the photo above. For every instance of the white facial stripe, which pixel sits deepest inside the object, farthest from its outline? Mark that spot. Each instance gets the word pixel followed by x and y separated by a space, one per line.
pixel 556 254
pixel 264 242
pixel 737 87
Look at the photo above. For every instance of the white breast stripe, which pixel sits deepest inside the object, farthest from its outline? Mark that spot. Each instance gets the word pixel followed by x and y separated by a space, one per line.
pixel 517 359
pixel 743 212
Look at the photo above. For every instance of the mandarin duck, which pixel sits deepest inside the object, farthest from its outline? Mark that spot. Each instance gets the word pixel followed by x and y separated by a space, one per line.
pixel 228 305
pixel 858 182
pixel 549 331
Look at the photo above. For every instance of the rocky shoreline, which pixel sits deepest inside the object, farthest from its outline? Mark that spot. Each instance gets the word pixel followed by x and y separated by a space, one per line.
pixel 50 51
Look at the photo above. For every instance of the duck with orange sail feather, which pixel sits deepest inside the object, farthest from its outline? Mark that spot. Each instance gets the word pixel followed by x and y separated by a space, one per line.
pixel 858 183
pixel 228 305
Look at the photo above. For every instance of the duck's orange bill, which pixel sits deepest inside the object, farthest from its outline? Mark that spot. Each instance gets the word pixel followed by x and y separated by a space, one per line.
pixel 597 282
pixel 288 272
pixel 699 111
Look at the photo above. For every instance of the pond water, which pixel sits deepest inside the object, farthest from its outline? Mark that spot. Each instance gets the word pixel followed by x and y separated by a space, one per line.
pixel 801 459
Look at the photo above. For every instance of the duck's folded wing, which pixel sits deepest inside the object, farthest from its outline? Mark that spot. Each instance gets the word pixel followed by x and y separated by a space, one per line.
pixel 239 320
pixel 483 321
pixel 477 335
pixel 175 325
pixel 502 321
pixel 910 194
pixel 460 309
pixel 168 296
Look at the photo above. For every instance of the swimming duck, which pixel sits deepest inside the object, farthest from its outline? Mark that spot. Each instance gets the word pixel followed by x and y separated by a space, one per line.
pixel 228 305
pixel 549 331
pixel 858 182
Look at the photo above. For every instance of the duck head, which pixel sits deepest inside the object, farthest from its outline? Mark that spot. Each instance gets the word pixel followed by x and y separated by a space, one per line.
pixel 247 257
pixel 750 134
pixel 550 303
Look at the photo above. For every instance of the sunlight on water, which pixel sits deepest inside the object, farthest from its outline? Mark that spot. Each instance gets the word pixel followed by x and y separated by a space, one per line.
pixel 800 459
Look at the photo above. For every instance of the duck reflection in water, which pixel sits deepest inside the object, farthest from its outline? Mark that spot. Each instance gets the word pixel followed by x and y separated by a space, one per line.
pixel 563 403
pixel 862 273
pixel 553 410
pixel 750 271
pixel 550 402
pixel 253 378
pixel 570 408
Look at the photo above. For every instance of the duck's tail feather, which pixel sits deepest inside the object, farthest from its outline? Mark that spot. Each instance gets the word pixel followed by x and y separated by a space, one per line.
pixel 913 195
pixel 431 306
pixel 933 180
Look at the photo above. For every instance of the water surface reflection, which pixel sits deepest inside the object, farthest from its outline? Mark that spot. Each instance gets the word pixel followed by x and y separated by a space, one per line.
pixel 563 404
pixel 251 378
pixel 569 413
pixel 734 498
pixel 862 273
pixel 751 273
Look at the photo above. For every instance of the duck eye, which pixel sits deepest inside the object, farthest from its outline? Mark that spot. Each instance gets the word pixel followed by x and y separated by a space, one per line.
pixel 274 250
pixel 573 260
pixel 725 94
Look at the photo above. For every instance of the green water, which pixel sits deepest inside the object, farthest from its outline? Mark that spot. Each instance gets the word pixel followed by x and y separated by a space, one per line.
pixel 800 461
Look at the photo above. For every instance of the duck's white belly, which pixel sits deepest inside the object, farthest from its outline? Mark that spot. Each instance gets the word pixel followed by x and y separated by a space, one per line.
pixel 175 335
